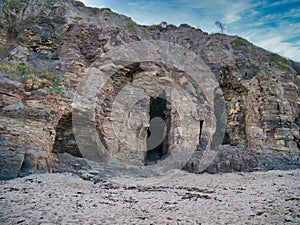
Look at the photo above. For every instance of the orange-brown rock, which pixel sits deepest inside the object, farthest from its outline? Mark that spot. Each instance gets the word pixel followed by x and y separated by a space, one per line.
pixel 63 38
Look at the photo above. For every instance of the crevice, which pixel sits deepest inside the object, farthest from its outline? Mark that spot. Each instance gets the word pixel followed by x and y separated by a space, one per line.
pixel 201 128
pixel 25 167
pixel 203 141
pixel 226 140
pixel 65 140
pixel 159 107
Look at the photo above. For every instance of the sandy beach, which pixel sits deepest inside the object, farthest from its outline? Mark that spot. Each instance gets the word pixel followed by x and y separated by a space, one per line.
pixel 235 198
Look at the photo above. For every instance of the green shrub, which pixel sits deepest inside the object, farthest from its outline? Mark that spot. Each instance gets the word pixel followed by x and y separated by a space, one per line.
pixel 55 89
pixel 282 62
pixel 264 69
pixel 198 93
pixel 131 26
pixel 238 43
pixel 21 72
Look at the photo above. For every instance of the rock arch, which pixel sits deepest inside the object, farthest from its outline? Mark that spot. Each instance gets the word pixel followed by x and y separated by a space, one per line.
pixel 114 101
pixel 65 140
pixel 123 126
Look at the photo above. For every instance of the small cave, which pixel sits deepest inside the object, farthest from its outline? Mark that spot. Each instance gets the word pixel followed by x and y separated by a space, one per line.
pixel 226 139
pixel 202 140
pixel 65 140
pixel 159 107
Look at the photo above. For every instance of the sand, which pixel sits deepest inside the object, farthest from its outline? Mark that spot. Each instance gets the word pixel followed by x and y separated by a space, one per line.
pixel 237 198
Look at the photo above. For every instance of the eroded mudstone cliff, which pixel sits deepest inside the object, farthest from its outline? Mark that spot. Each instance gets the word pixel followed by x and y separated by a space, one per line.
pixel 46 46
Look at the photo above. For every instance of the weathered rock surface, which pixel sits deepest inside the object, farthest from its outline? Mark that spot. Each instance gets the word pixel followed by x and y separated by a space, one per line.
pixel 237 159
pixel 50 44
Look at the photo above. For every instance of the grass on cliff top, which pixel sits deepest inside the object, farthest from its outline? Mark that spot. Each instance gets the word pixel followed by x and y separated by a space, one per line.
pixel 131 26
pixel 263 69
pixel 23 73
pixel 282 62
pixel 239 43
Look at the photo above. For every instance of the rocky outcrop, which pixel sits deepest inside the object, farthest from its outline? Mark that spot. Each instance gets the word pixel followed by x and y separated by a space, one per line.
pixel 28 120
pixel 237 159
pixel 46 46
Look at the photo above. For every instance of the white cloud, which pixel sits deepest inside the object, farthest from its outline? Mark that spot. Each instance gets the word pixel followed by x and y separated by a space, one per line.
pixel 92 3
pixel 227 10
pixel 272 30
pixel 277 3
pixel 274 41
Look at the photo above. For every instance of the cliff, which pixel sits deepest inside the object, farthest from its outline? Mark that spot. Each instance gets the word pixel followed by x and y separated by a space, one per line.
pixel 46 47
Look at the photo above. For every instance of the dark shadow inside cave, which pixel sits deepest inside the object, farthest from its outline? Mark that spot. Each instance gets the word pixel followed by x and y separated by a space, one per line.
pixel 226 140
pixel 159 107
pixel 65 139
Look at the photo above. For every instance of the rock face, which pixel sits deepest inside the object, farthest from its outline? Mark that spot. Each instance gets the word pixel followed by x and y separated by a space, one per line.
pixel 45 48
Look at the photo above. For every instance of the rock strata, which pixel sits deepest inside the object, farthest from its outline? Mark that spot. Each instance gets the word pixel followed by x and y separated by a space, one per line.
pixel 47 46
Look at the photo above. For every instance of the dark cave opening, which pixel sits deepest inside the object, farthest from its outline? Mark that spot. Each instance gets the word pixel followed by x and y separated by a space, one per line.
pixel 65 140
pixel 159 107
pixel 201 139
pixel 226 140
pixel 201 128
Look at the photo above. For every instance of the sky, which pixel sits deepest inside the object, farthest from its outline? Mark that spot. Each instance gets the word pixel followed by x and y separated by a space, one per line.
pixel 273 25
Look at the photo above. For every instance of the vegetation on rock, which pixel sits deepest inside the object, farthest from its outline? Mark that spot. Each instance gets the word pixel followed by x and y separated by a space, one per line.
pixel 30 77
pixel 261 89
pixel 131 25
pixel 239 43
pixel 282 62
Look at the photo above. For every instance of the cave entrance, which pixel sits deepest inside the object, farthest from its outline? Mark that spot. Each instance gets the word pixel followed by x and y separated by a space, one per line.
pixel 160 113
pixel 65 139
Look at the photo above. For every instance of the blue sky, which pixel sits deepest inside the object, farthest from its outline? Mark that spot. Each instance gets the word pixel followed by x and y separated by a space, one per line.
pixel 273 25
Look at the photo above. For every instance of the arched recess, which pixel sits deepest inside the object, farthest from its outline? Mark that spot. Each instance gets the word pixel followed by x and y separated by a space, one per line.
pixel 159 107
pixel 65 140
